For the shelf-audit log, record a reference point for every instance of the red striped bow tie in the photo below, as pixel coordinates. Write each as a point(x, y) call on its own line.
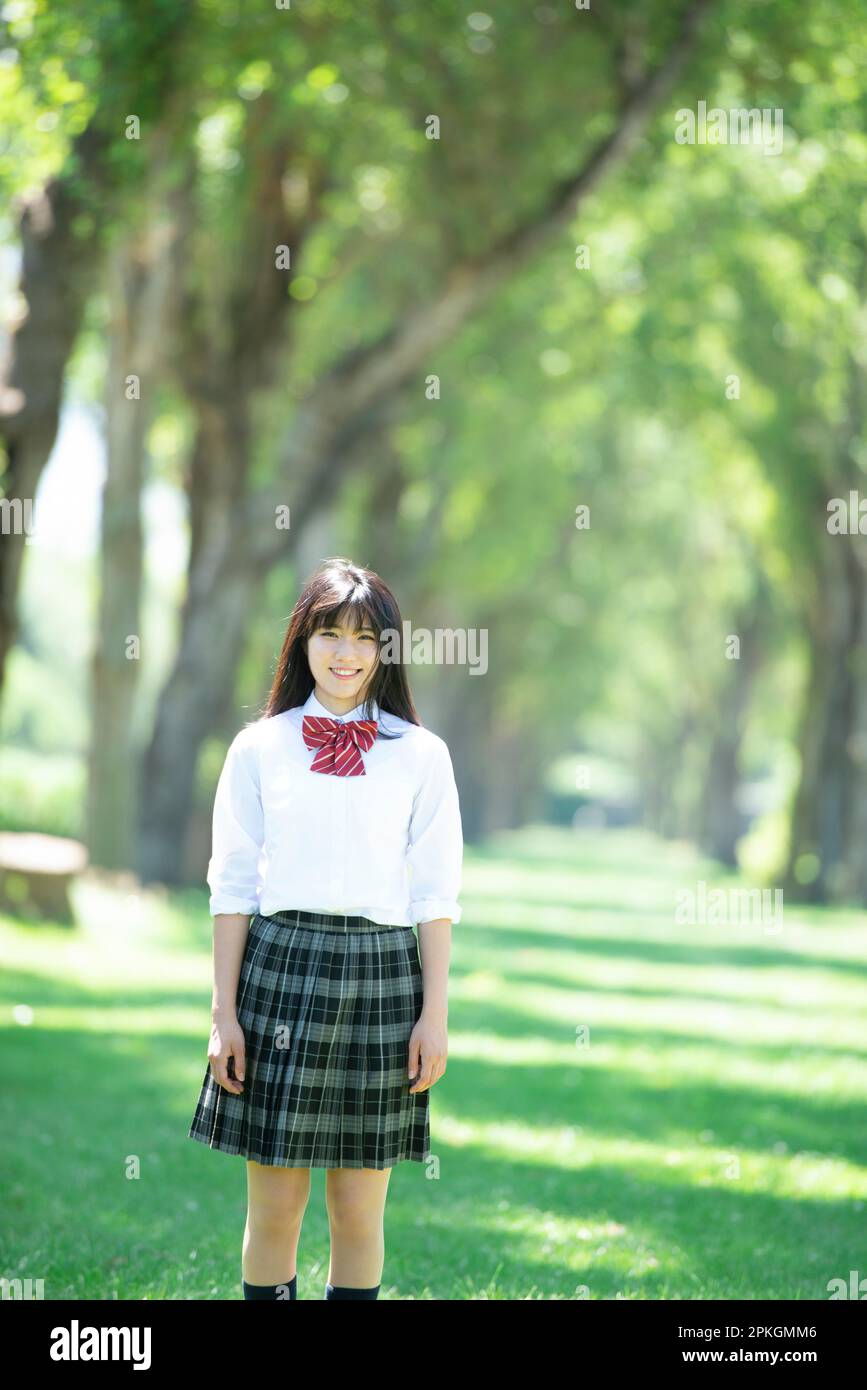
point(339, 743)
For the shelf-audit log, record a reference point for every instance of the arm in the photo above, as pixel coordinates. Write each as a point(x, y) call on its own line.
point(435, 849)
point(435, 941)
point(233, 877)
point(428, 1044)
point(435, 858)
point(230, 939)
point(227, 1037)
point(238, 832)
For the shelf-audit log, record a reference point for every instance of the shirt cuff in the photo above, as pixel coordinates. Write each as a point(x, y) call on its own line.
point(429, 909)
point(221, 902)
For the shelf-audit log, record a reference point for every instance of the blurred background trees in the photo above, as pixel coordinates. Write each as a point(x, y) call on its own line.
point(430, 281)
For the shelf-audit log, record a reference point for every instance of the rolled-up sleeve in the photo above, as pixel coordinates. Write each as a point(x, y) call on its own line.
point(238, 831)
point(435, 850)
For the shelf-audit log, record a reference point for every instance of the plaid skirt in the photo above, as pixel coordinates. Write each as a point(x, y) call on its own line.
point(326, 1005)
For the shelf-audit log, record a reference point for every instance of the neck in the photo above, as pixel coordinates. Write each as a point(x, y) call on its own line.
point(335, 703)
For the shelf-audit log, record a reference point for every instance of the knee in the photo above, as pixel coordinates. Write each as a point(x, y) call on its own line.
point(277, 1212)
point(353, 1217)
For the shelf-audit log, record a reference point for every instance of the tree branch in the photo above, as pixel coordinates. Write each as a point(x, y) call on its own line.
point(366, 372)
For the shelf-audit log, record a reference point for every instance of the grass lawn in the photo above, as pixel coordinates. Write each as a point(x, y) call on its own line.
point(633, 1108)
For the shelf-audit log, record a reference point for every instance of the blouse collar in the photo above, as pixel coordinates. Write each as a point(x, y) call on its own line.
point(314, 706)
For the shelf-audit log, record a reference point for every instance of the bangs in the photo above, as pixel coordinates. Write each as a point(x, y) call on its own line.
point(354, 613)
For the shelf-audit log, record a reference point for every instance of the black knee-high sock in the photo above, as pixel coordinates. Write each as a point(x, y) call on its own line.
point(338, 1291)
point(271, 1291)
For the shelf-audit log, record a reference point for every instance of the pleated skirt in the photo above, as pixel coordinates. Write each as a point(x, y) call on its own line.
point(327, 1005)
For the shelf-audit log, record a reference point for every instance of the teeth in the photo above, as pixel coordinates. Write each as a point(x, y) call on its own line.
point(343, 671)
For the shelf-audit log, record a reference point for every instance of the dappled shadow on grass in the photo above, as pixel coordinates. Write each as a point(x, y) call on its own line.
point(496, 947)
point(612, 1103)
point(709, 1242)
point(102, 1102)
point(498, 943)
point(38, 991)
point(498, 1022)
point(544, 1094)
point(78, 1102)
point(687, 997)
point(572, 909)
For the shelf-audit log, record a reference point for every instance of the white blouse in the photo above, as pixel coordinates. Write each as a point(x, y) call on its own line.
point(387, 845)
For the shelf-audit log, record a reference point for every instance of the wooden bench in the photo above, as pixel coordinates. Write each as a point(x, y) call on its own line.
point(36, 872)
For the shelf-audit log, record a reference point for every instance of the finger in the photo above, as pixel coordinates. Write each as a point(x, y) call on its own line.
point(225, 1079)
point(424, 1080)
point(434, 1069)
point(239, 1061)
point(413, 1059)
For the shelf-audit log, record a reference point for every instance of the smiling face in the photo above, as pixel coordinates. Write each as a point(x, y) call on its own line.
point(342, 661)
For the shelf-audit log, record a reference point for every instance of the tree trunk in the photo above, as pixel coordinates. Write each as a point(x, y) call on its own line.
point(663, 781)
point(718, 816)
point(139, 284)
point(514, 770)
point(61, 230)
point(826, 858)
point(462, 719)
point(56, 276)
point(221, 593)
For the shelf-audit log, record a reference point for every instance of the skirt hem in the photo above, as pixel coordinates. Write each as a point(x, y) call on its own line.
point(310, 1163)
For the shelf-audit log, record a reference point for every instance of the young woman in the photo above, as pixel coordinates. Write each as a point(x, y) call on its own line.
point(336, 828)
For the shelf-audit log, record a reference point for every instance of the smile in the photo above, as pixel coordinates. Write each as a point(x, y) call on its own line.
point(343, 672)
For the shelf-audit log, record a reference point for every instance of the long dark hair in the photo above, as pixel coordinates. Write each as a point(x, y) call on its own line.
point(339, 589)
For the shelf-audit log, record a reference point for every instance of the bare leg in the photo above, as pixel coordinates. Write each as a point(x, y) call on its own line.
point(355, 1198)
point(276, 1202)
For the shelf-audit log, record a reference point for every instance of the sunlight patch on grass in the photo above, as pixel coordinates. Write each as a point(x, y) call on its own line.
point(671, 1164)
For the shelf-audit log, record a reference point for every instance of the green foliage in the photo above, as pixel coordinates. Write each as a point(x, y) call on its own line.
point(42, 792)
point(604, 386)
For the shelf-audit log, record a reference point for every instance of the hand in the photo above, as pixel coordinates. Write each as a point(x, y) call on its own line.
point(428, 1049)
point(227, 1042)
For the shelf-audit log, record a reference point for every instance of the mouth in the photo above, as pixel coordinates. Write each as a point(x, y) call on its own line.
point(344, 673)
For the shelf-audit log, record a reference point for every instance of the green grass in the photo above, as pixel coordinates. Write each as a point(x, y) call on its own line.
point(708, 1142)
